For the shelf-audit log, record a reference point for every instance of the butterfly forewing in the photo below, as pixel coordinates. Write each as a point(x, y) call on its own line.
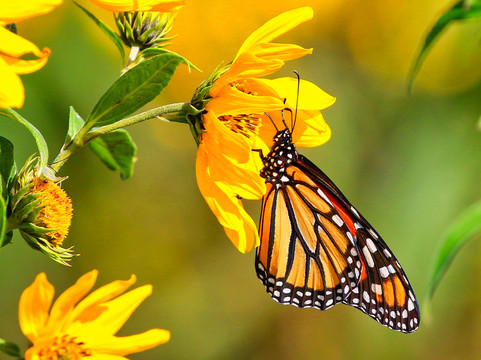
point(317, 250)
point(307, 257)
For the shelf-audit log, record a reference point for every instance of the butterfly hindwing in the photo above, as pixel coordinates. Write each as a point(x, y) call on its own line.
point(384, 292)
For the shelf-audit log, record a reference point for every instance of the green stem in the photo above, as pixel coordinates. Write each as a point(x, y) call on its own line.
point(85, 134)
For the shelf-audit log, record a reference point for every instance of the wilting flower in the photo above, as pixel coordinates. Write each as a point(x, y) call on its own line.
point(13, 47)
point(139, 5)
point(41, 211)
point(233, 122)
point(75, 328)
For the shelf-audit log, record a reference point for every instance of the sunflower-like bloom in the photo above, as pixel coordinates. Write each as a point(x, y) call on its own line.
point(13, 47)
point(233, 123)
point(139, 5)
point(75, 328)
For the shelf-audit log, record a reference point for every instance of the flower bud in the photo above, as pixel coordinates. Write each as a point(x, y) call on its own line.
point(41, 211)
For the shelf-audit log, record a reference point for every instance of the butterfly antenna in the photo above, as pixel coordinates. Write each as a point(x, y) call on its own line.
point(297, 98)
point(283, 118)
point(272, 121)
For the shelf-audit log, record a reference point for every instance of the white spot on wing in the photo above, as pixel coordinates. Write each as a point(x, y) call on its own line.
point(371, 245)
point(376, 288)
point(366, 297)
point(410, 305)
point(368, 257)
point(384, 272)
point(337, 219)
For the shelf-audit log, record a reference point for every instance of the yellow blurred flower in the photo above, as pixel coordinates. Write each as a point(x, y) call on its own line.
point(139, 5)
point(76, 328)
point(234, 123)
point(13, 47)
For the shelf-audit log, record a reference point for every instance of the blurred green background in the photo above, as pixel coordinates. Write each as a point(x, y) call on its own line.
point(410, 163)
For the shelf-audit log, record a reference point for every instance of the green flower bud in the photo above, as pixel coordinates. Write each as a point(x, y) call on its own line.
point(41, 211)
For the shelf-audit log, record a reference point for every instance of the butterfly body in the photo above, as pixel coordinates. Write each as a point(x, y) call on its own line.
point(316, 250)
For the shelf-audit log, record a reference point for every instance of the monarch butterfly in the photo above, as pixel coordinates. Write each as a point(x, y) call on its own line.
point(317, 250)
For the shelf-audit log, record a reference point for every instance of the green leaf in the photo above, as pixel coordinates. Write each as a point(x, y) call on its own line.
point(461, 10)
point(7, 165)
point(75, 123)
point(107, 31)
point(134, 89)
point(3, 220)
point(149, 52)
point(41, 143)
point(464, 228)
point(9, 348)
point(117, 151)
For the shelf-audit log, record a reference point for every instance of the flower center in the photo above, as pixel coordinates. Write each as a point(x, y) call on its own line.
point(56, 210)
point(242, 86)
point(244, 124)
point(65, 348)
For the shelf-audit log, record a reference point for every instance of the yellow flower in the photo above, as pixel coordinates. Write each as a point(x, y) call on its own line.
point(139, 5)
point(233, 123)
point(76, 328)
point(13, 47)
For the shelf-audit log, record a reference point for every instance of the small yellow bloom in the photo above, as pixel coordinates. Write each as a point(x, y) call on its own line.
point(140, 5)
point(234, 122)
point(13, 47)
point(75, 328)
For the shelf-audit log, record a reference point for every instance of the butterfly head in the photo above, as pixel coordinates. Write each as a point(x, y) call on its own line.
point(283, 153)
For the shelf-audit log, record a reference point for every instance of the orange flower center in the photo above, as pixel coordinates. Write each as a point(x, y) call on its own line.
point(245, 124)
point(242, 86)
point(65, 348)
point(56, 210)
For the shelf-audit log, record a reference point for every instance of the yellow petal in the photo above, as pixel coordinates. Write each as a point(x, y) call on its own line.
point(229, 100)
point(33, 307)
point(276, 27)
point(134, 343)
point(139, 5)
point(11, 88)
point(15, 11)
point(107, 318)
point(311, 130)
point(228, 209)
point(99, 296)
point(311, 97)
point(12, 47)
point(245, 237)
point(220, 203)
point(243, 179)
point(65, 303)
point(218, 138)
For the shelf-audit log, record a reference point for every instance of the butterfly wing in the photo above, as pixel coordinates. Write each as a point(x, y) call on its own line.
point(307, 256)
point(384, 292)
